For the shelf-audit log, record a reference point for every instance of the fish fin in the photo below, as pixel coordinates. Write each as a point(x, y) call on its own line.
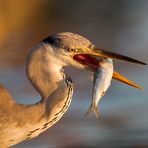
point(93, 108)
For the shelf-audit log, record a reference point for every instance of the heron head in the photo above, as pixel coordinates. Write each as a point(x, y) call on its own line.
point(73, 49)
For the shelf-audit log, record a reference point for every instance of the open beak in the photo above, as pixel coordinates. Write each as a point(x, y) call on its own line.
point(90, 59)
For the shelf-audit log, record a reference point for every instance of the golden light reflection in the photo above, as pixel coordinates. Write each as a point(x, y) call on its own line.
point(114, 24)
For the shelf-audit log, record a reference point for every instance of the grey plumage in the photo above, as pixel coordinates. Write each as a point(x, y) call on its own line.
point(20, 122)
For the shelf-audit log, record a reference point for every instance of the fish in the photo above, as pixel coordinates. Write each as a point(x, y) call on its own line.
point(101, 82)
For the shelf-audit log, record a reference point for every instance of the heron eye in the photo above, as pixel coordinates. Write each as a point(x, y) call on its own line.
point(73, 50)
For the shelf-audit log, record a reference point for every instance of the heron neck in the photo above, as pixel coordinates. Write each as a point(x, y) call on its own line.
point(43, 73)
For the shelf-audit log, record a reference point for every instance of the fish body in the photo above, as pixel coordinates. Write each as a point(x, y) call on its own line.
point(101, 82)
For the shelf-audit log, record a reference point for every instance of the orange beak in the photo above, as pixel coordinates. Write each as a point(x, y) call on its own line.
point(90, 59)
point(121, 78)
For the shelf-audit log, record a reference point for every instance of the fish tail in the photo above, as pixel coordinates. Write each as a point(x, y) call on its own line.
point(93, 108)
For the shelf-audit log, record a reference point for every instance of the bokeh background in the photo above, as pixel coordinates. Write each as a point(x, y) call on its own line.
point(117, 25)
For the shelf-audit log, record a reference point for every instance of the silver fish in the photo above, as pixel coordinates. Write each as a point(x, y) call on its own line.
point(101, 82)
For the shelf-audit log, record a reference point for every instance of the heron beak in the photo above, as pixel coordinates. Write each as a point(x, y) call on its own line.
point(108, 54)
point(90, 59)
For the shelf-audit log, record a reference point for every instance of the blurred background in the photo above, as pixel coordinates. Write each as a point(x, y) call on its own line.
point(117, 25)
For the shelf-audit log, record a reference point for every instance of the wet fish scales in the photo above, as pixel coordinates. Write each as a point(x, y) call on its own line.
point(101, 82)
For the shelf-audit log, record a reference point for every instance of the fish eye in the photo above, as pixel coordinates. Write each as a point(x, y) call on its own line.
point(73, 50)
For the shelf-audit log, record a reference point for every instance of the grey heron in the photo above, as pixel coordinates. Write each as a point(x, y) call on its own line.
point(45, 62)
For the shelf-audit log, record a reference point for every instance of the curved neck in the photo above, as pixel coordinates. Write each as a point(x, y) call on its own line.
point(55, 87)
point(43, 72)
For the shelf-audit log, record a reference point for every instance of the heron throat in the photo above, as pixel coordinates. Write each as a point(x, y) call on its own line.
point(43, 72)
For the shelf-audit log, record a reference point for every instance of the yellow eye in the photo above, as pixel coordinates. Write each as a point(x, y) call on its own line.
point(73, 50)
